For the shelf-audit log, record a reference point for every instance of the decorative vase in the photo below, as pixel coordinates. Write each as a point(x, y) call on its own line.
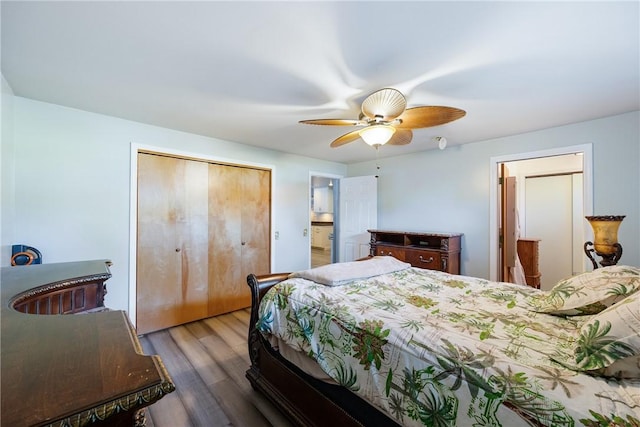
point(605, 236)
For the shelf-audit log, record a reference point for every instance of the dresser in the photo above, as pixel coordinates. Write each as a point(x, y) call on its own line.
point(73, 369)
point(433, 251)
point(528, 254)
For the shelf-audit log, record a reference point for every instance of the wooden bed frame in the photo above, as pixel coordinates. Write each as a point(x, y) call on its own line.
point(305, 400)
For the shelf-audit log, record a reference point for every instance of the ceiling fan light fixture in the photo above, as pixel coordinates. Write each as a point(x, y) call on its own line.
point(385, 119)
point(386, 103)
point(377, 134)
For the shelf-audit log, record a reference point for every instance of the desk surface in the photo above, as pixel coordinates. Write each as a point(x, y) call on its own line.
point(70, 367)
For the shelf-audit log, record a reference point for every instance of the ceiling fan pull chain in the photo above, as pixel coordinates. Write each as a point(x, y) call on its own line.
point(377, 162)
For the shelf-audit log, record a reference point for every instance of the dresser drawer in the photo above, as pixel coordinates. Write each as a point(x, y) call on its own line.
point(423, 259)
point(394, 251)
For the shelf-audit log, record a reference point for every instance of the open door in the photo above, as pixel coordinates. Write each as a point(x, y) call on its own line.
point(358, 212)
point(508, 234)
point(323, 219)
point(577, 160)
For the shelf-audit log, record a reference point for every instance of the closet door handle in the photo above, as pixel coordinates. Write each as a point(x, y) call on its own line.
point(177, 249)
point(243, 243)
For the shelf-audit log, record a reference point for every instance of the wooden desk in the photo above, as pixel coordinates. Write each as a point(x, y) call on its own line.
point(75, 370)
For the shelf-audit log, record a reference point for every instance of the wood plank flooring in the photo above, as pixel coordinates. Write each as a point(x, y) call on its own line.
point(207, 361)
point(320, 257)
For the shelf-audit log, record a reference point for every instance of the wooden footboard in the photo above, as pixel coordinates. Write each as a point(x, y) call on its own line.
point(304, 399)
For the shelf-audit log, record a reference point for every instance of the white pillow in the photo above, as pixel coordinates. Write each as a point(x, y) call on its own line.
point(588, 293)
point(609, 343)
point(344, 272)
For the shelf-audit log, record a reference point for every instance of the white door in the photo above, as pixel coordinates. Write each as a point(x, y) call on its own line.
point(358, 213)
point(550, 218)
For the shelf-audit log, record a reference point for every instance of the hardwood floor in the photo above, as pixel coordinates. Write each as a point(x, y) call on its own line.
point(207, 361)
point(320, 257)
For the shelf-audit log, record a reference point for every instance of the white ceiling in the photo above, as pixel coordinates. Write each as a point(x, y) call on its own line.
point(249, 71)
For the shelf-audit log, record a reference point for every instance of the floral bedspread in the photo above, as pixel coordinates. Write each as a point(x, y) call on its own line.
point(434, 349)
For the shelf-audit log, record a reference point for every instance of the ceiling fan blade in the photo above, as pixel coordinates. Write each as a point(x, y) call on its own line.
point(424, 117)
point(333, 122)
point(346, 138)
point(386, 104)
point(401, 137)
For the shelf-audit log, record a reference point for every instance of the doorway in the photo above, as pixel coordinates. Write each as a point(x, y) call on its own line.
point(323, 198)
point(549, 210)
point(577, 181)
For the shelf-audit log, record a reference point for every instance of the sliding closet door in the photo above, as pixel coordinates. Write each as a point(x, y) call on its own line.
point(202, 228)
point(239, 233)
point(224, 239)
point(172, 249)
point(256, 223)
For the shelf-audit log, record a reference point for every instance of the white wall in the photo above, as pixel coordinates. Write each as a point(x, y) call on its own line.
point(72, 186)
point(68, 194)
point(450, 188)
point(6, 173)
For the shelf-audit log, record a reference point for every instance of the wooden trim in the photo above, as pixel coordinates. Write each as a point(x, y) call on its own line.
point(203, 159)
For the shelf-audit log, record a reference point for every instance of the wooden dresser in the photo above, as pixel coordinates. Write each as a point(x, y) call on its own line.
point(77, 369)
point(528, 254)
point(433, 251)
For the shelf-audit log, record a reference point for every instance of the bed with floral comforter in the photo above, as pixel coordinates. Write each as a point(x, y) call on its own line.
point(433, 349)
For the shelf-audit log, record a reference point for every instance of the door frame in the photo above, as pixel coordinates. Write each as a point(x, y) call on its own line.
point(336, 216)
point(587, 170)
point(133, 206)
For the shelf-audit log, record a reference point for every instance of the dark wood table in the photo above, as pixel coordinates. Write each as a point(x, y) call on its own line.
point(76, 369)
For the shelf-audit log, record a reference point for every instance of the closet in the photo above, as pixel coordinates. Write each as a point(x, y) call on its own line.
point(202, 228)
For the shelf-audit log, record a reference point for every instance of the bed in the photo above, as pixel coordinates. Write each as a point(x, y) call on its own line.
point(379, 342)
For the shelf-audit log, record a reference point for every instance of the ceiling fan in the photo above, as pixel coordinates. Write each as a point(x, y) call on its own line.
point(385, 118)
